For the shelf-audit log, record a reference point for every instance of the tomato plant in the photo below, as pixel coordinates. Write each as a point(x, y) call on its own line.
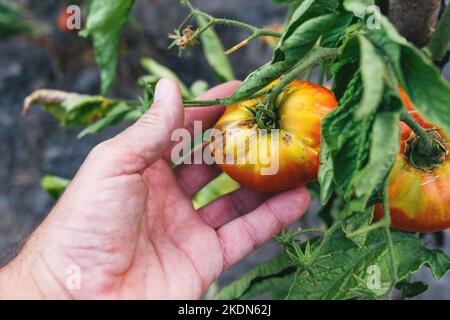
point(297, 113)
point(372, 159)
point(419, 195)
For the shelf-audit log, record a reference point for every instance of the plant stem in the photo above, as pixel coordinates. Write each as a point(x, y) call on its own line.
point(367, 229)
point(313, 58)
point(387, 231)
point(222, 101)
point(242, 43)
point(418, 130)
point(325, 240)
point(248, 27)
point(440, 40)
point(212, 21)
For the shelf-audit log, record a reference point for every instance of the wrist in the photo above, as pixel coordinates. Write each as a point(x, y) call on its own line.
point(29, 277)
point(16, 283)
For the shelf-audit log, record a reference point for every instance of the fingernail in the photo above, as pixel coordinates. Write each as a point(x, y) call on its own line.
point(162, 89)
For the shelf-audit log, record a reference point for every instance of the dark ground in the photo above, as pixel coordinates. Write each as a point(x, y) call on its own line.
point(36, 145)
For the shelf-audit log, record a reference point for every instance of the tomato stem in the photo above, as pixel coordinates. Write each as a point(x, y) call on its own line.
point(418, 130)
point(314, 57)
point(428, 149)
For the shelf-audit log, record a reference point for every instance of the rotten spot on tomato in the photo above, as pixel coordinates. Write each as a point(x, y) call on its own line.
point(287, 139)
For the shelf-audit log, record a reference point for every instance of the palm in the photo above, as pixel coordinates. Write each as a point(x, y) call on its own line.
point(179, 254)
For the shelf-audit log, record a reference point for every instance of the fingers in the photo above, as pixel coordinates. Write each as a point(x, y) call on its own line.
point(248, 232)
point(232, 206)
point(192, 178)
point(149, 138)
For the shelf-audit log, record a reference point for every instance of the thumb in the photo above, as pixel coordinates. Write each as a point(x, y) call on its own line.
point(145, 141)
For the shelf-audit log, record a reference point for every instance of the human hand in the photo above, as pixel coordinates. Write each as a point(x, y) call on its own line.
point(128, 223)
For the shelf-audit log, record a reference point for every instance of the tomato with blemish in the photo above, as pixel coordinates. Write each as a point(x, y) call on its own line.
point(419, 200)
point(280, 158)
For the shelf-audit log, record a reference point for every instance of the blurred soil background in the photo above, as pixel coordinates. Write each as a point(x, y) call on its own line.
point(36, 145)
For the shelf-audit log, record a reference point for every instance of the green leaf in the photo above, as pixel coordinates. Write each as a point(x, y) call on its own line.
point(357, 221)
point(428, 90)
point(215, 189)
point(215, 53)
point(345, 67)
point(346, 139)
point(372, 73)
point(358, 7)
point(308, 22)
point(361, 151)
point(325, 174)
point(384, 147)
point(259, 78)
point(333, 37)
point(275, 273)
point(104, 24)
point(156, 69)
point(15, 20)
point(120, 112)
point(307, 10)
point(70, 109)
point(346, 271)
point(54, 186)
point(422, 81)
point(412, 289)
point(305, 36)
point(199, 87)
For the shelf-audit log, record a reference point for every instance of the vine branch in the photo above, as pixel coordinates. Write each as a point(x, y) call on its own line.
point(315, 57)
point(428, 150)
point(416, 128)
point(213, 21)
point(441, 38)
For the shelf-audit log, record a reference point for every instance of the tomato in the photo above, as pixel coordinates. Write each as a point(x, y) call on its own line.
point(62, 21)
point(275, 160)
point(419, 199)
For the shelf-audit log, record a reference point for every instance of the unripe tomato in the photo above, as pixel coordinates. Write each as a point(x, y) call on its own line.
point(275, 160)
point(419, 200)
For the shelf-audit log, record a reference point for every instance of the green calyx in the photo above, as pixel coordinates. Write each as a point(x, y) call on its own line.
point(427, 154)
point(266, 118)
